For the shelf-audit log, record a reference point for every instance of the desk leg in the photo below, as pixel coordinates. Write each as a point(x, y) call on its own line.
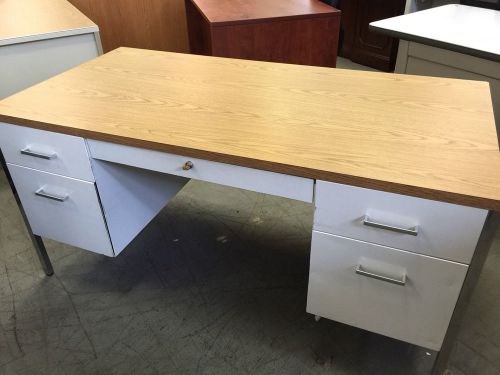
point(36, 240)
point(480, 254)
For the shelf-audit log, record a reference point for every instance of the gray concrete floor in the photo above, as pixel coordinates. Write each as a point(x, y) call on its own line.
point(216, 284)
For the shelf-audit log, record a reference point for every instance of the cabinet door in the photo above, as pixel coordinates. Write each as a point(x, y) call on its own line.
point(362, 45)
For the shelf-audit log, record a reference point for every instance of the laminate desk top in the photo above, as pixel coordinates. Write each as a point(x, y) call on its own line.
point(421, 136)
point(225, 12)
point(460, 28)
point(29, 20)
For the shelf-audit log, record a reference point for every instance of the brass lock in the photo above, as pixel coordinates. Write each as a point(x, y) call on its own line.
point(187, 166)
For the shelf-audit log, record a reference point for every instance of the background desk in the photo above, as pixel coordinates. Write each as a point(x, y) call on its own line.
point(41, 38)
point(288, 31)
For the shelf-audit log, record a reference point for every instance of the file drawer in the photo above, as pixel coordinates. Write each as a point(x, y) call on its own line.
point(61, 154)
point(63, 209)
point(423, 226)
point(220, 173)
point(395, 293)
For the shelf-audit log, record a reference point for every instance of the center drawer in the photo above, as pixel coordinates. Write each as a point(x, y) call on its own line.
point(395, 293)
point(423, 226)
point(63, 209)
point(220, 173)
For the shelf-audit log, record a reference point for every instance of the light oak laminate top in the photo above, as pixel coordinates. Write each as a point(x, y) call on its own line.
point(460, 28)
point(421, 136)
point(29, 20)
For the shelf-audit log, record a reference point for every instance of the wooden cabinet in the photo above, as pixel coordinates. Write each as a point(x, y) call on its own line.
point(151, 24)
point(362, 45)
point(298, 31)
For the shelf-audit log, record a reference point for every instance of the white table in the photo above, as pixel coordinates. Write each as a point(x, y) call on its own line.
point(454, 41)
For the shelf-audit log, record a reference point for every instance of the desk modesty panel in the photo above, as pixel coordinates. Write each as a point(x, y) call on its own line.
point(426, 137)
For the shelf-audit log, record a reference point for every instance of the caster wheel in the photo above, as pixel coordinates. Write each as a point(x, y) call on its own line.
point(317, 318)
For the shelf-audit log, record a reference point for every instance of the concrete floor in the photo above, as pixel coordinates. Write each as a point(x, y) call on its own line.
point(216, 284)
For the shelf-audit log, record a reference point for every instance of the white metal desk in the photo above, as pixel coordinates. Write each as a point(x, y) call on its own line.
point(403, 218)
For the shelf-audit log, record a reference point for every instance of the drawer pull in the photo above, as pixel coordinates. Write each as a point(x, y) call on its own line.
point(41, 193)
point(187, 166)
point(411, 231)
point(37, 154)
point(361, 271)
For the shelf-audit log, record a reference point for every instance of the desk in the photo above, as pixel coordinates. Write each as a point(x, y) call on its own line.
point(288, 31)
point(41, 38)
point(454, 41)
point(404, 205)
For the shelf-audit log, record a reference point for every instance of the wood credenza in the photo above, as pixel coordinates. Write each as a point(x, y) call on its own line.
point(289, 31)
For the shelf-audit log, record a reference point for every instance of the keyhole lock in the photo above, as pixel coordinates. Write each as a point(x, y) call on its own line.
point(187, 166)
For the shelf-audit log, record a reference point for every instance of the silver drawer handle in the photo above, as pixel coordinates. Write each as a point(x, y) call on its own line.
point(38, 154)
point(361, 271)
point(411, 231)
point(41, 193)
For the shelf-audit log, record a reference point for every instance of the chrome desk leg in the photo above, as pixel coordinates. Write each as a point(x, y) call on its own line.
point(36, 240)
point(480, 254)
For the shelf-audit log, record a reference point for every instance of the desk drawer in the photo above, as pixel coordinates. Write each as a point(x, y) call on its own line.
point(46, 151)
point(225, 174)
point(417, 312)
point(444, 230)
point(63, 209)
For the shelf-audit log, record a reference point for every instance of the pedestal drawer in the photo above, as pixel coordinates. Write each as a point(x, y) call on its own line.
point(57, 153)
point(423, 226)
point(392, 292)
point(63, 209)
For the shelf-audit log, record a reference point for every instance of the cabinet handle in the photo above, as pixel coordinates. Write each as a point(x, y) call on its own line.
point(41, 193)
point(187, 166)
point(361, 271)
point(37, 154)
point(370, 223)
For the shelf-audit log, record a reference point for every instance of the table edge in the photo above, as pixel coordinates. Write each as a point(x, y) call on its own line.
point(49, 35)
point(436, 43)
point(305, 172)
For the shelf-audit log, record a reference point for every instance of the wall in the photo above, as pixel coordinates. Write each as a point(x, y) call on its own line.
point(416, 5)
point(151, 24)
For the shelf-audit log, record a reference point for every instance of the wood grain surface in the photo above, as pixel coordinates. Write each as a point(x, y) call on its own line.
point(22, 18)
point(151, 24)
point(421, 136)
point(225, 12)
